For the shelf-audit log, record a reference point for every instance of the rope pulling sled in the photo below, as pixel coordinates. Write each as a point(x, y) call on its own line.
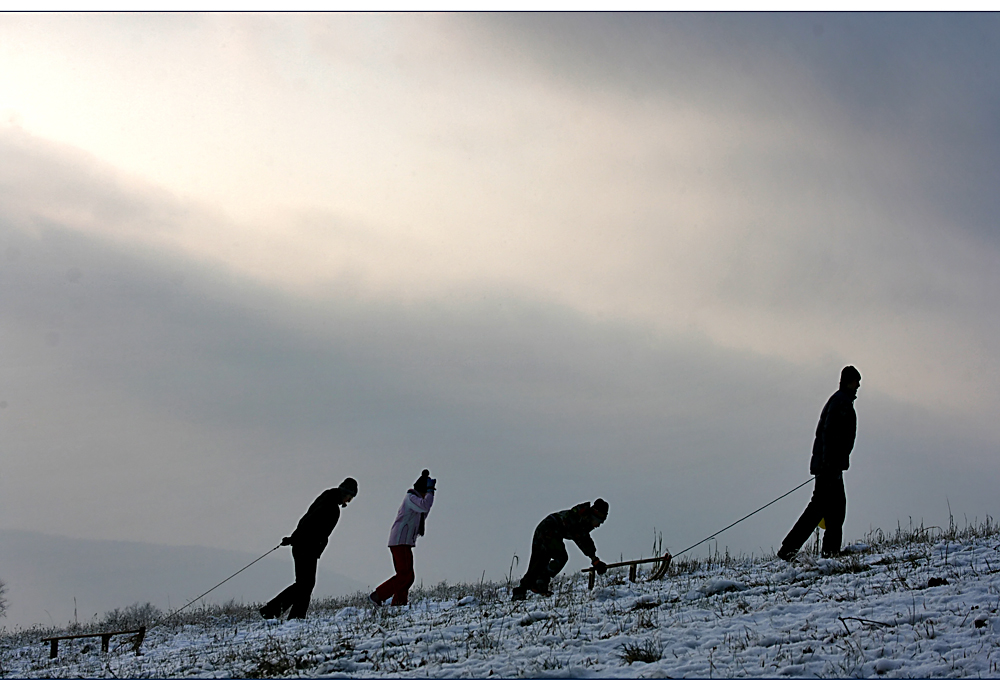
point(663, 561)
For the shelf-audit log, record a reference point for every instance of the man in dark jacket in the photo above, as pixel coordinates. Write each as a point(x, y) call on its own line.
point(548, 553)
point(308, 542)
point(838, 425)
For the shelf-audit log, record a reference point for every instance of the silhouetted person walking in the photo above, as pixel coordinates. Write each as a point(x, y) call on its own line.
point(409, 524)
point(308, 542)
point(838, 425)
point(548, 553)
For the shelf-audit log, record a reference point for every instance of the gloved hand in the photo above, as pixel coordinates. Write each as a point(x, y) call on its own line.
point(285, 541)
point(431, 484)
point(599, 566)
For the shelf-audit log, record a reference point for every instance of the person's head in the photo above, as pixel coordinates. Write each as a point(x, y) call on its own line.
point(349, 489)
point(420, 486)
point(850, 378)
point(599, 511)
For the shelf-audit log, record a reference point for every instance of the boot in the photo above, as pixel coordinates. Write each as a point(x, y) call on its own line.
point(269, 612)
point(787, 554)
point(540, 587)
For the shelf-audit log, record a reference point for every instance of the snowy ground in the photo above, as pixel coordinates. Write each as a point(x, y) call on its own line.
point(869, 614)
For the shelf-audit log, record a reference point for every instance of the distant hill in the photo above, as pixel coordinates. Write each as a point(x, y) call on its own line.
point(44, 573)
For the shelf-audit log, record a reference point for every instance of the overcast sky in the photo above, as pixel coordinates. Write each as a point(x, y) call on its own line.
point(549, 257)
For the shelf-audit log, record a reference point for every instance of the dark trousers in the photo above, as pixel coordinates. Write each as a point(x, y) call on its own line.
point(548, 557)
point(296, 596)
point(398, 587)
point(829, 502)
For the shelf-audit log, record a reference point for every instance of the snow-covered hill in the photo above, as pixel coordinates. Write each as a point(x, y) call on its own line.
point(913, 605)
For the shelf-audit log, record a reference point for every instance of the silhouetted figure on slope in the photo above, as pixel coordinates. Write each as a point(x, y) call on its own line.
point(308, 542)
point(838, 425)
point(409, 524)
point(548, 553)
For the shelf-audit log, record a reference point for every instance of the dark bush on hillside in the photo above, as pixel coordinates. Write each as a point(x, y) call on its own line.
point(131, 617)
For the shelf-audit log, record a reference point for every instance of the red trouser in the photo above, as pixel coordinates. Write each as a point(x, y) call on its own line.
point(398, 586)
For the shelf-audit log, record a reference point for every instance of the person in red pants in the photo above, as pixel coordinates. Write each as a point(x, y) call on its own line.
point(409, 524)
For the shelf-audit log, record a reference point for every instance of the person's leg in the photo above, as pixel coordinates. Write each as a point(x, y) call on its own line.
point(386, 589)
point(835, 512)
point(807, 522)
point(396, 587)
point(305, 581)
point(537, 564)
point(402, 560)
point(558, 556)
point(277, 605)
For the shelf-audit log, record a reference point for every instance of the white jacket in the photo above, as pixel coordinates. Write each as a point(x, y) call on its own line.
point(404, 529)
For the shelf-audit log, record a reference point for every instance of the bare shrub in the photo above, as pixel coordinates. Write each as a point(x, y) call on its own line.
point(131, 617)
point(647, 651)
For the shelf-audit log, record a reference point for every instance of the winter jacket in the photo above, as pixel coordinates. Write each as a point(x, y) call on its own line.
point(572, 524)
point(410, 518)
point(838, 426)
point(313, 531)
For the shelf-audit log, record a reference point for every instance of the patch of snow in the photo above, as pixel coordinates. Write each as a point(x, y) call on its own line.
point(787, 576)
point(532, 617)
point(721, 585)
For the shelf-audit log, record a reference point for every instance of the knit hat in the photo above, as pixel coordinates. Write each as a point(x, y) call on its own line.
point(421, 484)
point(350, 485)
point(600, 509)
point(849, 374)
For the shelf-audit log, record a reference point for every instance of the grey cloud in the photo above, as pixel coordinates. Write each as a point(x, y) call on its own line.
point(925, 85)
point(892, 212)
point(881, 63)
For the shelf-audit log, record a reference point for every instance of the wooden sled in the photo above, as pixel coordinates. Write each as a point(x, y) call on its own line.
point(662, 565)
point(105, 637)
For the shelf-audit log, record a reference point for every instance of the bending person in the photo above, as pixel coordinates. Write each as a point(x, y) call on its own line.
point(548, 553)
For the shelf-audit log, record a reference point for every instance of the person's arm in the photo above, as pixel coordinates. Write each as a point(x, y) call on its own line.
point(421, 504)
point(586, 545)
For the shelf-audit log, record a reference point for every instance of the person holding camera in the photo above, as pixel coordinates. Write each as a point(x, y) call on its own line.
point(409, 524)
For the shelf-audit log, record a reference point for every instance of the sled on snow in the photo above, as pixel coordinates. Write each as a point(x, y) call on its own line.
point(658, 572)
